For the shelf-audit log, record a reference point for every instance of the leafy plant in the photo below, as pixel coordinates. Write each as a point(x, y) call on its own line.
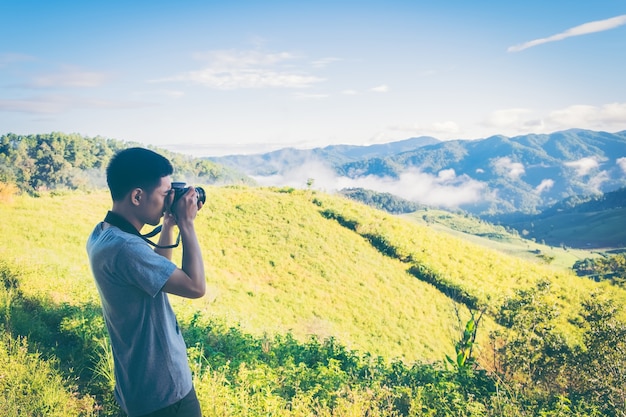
point(465, 345)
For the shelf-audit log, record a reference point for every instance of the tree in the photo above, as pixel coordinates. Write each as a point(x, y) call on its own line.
point(599, 369)
point(534, 354)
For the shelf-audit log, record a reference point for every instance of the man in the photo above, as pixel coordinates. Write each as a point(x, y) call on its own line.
point(152, 374)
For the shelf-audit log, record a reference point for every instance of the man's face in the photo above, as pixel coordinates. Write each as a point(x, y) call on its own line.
point(157, 201)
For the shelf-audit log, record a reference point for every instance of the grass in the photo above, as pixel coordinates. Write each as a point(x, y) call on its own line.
point(275, 264)
point(594, 230)
point(33, 386)
point(277, 261)
point(498, 238)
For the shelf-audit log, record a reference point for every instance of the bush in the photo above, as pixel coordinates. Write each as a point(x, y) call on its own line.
point(31, 386)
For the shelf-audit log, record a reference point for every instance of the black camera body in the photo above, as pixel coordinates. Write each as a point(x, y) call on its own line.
point(181, 188)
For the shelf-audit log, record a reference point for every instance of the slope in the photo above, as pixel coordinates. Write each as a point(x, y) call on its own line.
point(282, 260)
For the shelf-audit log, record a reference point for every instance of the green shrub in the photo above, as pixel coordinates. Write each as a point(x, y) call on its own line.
point(32, 386)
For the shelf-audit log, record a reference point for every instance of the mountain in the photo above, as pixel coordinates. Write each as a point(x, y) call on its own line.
point(282, 160)
point(590, 222)
point(496, 175)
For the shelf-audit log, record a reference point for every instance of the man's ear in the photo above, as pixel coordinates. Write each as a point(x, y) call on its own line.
point(136, 196)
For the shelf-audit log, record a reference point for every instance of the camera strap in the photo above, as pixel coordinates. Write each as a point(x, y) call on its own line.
point(121, 223)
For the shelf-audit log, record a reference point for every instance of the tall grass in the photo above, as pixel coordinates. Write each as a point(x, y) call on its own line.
point(32, 386)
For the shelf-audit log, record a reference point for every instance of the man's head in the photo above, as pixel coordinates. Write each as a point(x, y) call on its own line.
point(136, 168)
point(140, 184)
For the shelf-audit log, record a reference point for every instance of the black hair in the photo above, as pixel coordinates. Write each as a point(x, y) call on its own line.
point(136, 168)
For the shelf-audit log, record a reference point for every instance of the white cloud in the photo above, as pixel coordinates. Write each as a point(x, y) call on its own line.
point(445, 189)
point(596, 181)
point(621, 162)
point(509, 168)
point(583, 166)
point(608, 117)
point(173, 94)
point(69, 77)
point(324, 177)
point(248, 78)
point(230, 69)
point(305, 96)
point(584, 29)
point(381, 89)
point(444, 127)
point(506, 117)
point(514, 120)
point(232, 59)
point(446, 175)
point(544, 186)
point(324, 62)
point(54, 104)
point(589, 116)
point(349, 92)
point(441, 130)
point(12, 58)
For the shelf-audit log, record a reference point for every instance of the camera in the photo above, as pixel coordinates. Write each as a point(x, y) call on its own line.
point(181, 189)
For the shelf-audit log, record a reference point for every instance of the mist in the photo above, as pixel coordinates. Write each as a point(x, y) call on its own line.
point(446, 189)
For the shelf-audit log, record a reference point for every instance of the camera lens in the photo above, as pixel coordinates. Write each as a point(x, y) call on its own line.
point(201, 195)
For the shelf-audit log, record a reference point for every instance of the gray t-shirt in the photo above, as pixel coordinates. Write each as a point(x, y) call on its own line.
point(150, 356)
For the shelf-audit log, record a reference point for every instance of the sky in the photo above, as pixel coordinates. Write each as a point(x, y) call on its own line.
point(211, 78)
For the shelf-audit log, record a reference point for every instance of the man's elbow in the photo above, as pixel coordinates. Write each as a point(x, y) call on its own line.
point(197, 292)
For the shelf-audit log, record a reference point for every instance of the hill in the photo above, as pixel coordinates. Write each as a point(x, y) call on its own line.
point(70, 161)
point(590, 222)
point(584, 162)
point(317, 305)
point(503, 239)
point(581, 222)
point(281, 261)
point(286, 260)
point(489, 176)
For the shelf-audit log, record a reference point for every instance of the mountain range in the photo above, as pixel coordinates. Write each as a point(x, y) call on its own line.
point(491, 176)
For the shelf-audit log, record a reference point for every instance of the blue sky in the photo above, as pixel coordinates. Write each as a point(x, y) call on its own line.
point(212, 78)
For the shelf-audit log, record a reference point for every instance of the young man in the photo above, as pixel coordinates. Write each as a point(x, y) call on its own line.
point(152, 374)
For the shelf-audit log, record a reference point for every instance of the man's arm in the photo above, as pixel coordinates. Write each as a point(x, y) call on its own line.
point(166, 238)
point(189, 280)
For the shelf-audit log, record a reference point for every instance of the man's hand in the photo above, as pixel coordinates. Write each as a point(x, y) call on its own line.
point(189, 280)
point(167, 230)
point(187, 206)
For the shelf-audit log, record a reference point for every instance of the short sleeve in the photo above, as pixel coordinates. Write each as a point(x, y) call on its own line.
point(142, 267)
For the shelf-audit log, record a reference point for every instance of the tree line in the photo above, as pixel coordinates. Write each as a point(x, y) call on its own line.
point(41, 162)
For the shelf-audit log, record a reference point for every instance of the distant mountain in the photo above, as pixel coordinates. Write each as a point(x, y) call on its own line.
point(588, 204)
point(282, 160)
point(496, 175)
point(589, 222)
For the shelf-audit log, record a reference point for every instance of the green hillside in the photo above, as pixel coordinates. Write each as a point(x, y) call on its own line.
point(284, 261)
point(276, 263)
point(60, 161)
point(273, 264)
point(499, 238)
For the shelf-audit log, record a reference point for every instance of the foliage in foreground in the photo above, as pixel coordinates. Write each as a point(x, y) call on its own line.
point(238, 374)
point(33, 386)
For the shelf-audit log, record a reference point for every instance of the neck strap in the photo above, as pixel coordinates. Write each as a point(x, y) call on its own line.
point(121, 223)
